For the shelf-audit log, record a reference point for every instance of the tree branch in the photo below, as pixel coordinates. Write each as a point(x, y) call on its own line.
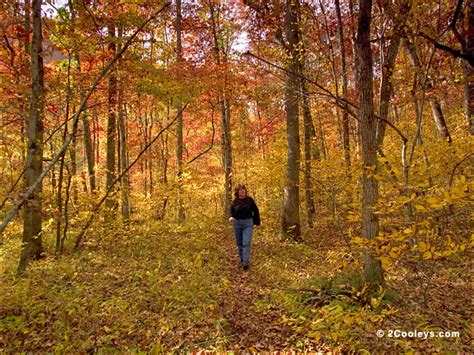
point(454, 52)
point(339, 100)
point(212, 141)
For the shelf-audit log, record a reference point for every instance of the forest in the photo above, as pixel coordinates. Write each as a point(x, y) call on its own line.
point(129, 127)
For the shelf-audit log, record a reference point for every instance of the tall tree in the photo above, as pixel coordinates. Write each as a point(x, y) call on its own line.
point(386, 87)
point(179, 148)
point(111, 122)
point(308, 138)
point(370, 189)
point(291, 227)
point(224, 102)
point(345, 113)
point(123, 152)
point(32, 220)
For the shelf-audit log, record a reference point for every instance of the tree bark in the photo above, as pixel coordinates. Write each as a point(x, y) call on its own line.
point(345, 114)
point(370, 224)
point(32, 247)
point(308, 138)
point(290, 227)
point(89, 150)
point(386, 87)
point(224, 101)
point(179, 148)
point(123, 153)
point(111, 126)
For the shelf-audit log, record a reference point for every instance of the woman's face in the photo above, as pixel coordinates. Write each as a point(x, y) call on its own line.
point(242, 193)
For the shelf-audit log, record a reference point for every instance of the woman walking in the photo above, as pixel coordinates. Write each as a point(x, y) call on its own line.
point(244, 215)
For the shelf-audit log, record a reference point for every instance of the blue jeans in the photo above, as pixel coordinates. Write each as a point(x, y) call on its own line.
point(243, 229)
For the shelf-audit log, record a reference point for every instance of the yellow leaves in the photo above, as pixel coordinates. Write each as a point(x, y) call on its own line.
point(420, 208)
point(107, 329)
point(347, 319)
point(394, 254)
point(358, 240)
point(316, 336)
point(385, 260)
point(422, 247)
point(351, 217)
point(427, 255)
point(374, 302)
point(198, 262)
point(434, 202)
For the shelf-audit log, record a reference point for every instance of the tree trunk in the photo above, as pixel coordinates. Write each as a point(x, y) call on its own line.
point(89, 150)
point(179, 148)
point(386, 87)
point(355, 67)
point(469, 69)
point(308, 138)
point(111, 126)
point(225, 118)
point(59, 195)
point(32, 220)
point(290, 227)
point(122, 132)
point(345, 114)
point(370, 223)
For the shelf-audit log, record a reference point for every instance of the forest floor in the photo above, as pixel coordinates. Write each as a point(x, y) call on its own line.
point(156, 287)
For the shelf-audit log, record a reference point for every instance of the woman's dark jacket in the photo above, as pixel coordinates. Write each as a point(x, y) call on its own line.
point(245, 208)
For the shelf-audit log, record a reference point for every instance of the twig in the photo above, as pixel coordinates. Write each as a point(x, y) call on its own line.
point(212, 141)
point(457, 166)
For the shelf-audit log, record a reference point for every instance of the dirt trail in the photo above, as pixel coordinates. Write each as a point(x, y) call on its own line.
point(246, 326)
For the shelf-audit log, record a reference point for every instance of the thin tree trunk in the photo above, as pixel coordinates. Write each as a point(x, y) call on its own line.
point(59, 195)
point(96, 139)
point(89, 148)
point(66, 215)
point(386, 87)
point(370, 223)
point(291, 227)
point(225, 118)
point(150, 160)
point(355, 66)
point(308, 138)
point(179, 148)
point(32, 247)
point(345, 114)
point(73, 171)
point(110, 203)
point(124, 181)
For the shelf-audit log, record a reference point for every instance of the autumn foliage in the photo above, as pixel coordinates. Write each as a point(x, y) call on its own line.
point(122, 269)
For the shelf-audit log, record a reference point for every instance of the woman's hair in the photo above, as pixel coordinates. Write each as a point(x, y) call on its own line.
point(236, 191)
